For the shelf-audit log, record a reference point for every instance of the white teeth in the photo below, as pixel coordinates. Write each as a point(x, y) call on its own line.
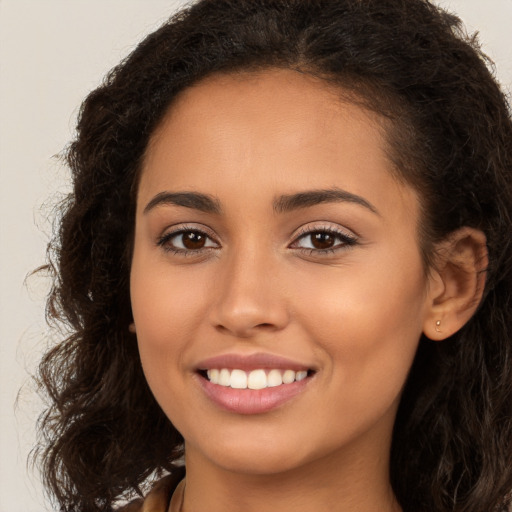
point(238, 379)
point(213, 375)
point(301, 375)
point(288, 376)
point(225, 377)
point(274, 378)
point(256, 379)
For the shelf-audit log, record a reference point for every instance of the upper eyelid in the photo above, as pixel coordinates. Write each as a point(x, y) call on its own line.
point(325, 226)
point(184, 227)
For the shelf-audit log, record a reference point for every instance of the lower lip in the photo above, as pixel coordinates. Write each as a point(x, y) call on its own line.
point(252, 401)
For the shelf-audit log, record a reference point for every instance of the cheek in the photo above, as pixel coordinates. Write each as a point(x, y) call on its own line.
point(166, 305)
point(368, 321)
point(167, 308)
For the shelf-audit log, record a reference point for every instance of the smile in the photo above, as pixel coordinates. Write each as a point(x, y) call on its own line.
point(255, 379)
point(252, 384)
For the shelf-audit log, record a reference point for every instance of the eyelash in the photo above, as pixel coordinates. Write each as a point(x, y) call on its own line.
point(164, 241)
point(347, 240)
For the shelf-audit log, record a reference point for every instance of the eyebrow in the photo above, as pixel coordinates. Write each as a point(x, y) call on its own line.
point(283, 204)
point(291, 202)
point(195, 200)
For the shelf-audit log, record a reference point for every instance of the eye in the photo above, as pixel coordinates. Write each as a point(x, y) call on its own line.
point(323, 240)
point(186, 240)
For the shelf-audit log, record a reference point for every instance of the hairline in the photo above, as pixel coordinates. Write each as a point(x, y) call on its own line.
point(386, 109)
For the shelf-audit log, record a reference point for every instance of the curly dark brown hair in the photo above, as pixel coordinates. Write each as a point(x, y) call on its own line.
point(450, 136)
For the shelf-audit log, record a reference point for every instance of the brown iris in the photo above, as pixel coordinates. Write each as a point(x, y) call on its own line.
point(322, 240)
point(193, 240)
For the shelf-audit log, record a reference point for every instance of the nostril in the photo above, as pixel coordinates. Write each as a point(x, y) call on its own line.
point(245, 331)
point(245, 314)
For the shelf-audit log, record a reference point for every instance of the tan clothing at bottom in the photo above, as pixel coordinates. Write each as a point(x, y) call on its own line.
point(165, 496)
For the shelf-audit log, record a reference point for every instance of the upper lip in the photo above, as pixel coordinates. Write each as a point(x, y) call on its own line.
point(251, 362)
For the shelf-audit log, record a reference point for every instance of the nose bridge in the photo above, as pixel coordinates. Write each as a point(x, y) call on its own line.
point(248, 297)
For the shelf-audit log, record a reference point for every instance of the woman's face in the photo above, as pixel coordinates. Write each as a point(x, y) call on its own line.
point(272, 244)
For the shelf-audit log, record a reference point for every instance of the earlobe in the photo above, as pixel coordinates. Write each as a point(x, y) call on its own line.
point(457, 283)
point(131, 328)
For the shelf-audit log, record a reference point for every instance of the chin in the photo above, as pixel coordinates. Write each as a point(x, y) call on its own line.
point(253, 458)
point(258, 465)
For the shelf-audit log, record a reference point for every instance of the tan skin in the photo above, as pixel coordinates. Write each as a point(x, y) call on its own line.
point(337, 285)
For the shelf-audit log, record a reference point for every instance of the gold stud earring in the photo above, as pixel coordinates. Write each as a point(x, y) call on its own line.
point(438, 324)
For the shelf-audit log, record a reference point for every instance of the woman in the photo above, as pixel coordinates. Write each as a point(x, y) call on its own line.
point(286, 263)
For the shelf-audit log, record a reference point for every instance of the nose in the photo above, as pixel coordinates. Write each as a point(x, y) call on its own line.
point(250, 296)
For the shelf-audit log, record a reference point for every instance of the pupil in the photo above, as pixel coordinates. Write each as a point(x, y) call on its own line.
point(193, 240)
point(322, 240)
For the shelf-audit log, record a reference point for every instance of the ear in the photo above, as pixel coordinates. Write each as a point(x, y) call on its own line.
point(131, 328)
point(457, 282)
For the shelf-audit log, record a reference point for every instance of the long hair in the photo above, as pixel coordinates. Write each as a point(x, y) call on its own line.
point(449, 134)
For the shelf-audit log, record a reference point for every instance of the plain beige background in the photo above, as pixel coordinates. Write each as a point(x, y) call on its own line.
point(52, 53)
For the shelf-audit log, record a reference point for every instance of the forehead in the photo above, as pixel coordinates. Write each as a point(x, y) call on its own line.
point(271, 99)
point(276, 129)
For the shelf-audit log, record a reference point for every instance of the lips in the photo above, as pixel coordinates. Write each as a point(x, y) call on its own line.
point(252, 384)
point(252, 362)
